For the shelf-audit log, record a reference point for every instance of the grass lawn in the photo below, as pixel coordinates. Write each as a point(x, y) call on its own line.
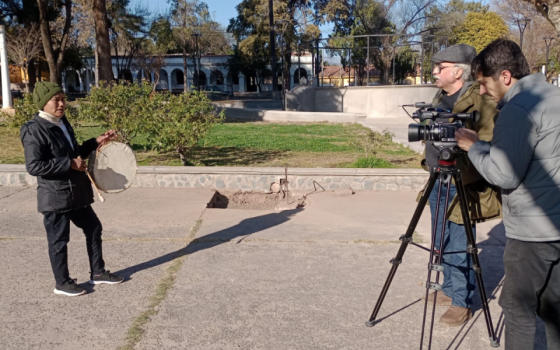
point(302, 145)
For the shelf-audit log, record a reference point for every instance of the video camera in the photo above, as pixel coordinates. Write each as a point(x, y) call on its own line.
point(438, 131)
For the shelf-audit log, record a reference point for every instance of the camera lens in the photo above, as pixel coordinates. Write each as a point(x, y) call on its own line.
point(417, 132)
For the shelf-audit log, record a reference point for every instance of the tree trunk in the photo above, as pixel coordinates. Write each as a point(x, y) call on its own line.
point(31, 75)
point(47, 42)
point(102, 44)
point(55, 61)
point(26, 74)
point(183, 155)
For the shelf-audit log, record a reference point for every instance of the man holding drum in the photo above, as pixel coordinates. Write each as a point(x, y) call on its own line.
point(64, 192)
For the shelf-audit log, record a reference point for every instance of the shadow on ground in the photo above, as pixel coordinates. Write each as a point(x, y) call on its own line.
point(242, 230)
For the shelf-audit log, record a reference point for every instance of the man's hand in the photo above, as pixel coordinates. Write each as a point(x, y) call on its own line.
point(107, 136)
point(78, 164)
point(466, 138)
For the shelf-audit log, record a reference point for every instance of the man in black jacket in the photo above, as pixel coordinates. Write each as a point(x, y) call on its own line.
point(64, 192)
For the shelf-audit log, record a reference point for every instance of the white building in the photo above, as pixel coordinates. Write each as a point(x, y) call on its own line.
point(213, 71)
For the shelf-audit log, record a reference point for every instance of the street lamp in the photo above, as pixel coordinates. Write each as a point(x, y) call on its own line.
point(197, 82)
point(282, 23)
point(548, 42)
point(522, 24)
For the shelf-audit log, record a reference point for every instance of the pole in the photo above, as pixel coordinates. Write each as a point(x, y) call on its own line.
point(272, 48)
point(432, 62)
point(367, 61)
point(394, 66)
point(317, 73)
point(6, 92)
point(322, 68)
point(313, 63)
point(283, 72)
point(422, 61)
point(299, 63)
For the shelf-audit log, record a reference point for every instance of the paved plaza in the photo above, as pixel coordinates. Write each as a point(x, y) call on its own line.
point(200, 278)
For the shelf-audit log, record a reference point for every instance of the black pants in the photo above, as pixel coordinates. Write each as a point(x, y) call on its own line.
point(531, 287)
point(58, 235)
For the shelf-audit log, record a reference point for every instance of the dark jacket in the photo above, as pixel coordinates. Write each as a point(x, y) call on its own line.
point(48, 156)
point(523, 159)
point(484, 200)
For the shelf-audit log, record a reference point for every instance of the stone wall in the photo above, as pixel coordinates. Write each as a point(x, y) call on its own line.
point(255, 178)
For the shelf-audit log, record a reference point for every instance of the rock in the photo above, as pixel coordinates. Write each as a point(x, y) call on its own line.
point(275, 187)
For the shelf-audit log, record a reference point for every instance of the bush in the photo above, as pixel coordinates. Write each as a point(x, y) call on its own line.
point(25, 110)
point(371, 141)
point(125, 108)
point(371, 162)
point(182, 123)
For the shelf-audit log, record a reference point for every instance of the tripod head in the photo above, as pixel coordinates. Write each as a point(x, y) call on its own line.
point(448, 153)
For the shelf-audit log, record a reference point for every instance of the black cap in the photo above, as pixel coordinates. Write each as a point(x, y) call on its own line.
point(461, 53)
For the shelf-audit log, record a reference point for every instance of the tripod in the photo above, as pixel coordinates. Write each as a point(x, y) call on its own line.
point(446, 171)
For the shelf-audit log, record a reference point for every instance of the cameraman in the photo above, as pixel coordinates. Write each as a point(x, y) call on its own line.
point(459, 94)
point(523, 159)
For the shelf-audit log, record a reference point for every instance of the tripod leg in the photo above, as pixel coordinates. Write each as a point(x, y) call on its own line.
point(437, 264)
point(406, 239)
point(473, 250)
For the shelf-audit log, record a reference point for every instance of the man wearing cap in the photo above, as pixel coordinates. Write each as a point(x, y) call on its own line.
point(459, 94)
point(64, 192)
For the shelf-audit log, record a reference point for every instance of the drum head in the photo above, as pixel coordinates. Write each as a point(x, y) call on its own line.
point(113, 167)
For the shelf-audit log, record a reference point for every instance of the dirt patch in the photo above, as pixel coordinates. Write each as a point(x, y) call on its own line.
point(256, 201)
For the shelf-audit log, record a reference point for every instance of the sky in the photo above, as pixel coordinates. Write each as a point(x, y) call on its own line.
point(222, 10)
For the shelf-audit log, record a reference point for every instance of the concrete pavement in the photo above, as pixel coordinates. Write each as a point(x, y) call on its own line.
point(201, 278)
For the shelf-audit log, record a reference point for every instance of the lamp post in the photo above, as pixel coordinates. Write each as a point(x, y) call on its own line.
point(197, 82)
point(548, 42)
point(522, 24)
point(282, 23)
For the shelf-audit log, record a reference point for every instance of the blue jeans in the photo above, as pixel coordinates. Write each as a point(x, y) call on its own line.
point(459, 277)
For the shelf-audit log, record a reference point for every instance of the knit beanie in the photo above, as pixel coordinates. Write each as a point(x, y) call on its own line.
point(43, 92)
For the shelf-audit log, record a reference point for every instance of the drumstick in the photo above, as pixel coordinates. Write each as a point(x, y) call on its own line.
point(95, 186)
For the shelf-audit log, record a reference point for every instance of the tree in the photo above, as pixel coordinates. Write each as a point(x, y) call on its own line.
point(54, 49)
point(190, 17)
point(398, 17)
point(444, 20)
point(534, 47)
point(24, 44)
point(151, 57)
point(480, 29)
point(181, 122)
point(550, 9)
point(128, 31)
point(102, 43)
point(251, 29)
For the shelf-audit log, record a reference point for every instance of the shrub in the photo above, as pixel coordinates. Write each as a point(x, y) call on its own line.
point(25, 110)
point(125, 108)
point(182, 123)
point(371, 141)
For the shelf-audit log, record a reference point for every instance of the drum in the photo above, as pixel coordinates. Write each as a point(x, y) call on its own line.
point(113, 167)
